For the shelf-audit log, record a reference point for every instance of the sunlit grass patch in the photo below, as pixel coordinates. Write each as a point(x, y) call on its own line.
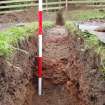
point(15, 34)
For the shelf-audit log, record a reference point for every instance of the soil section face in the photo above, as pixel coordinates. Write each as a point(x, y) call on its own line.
point(71, 72)
point(55, 58)
point(16, 75)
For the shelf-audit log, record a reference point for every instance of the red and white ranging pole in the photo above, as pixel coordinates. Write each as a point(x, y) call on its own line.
point(40, 48)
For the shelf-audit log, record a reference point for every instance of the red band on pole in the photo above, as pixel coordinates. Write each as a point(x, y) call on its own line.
point(40, 21)
point(39, 67)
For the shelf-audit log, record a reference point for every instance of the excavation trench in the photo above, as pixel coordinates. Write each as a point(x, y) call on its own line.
point(71, 73)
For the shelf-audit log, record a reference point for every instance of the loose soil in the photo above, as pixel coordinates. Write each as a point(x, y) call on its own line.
point(17, 17)
point(70, 72)
point(28, 15)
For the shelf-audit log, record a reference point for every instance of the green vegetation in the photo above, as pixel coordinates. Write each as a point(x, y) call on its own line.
point(15, 34)
point(85, 14)
point(91, 41)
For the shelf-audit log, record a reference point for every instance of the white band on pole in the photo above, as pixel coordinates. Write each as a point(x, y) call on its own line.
point(40, 5)
point(40, 45)
point(39, 86)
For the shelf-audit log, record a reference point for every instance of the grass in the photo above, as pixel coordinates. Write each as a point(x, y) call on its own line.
point(91, 41)
point(85, 14)
point(13, 35)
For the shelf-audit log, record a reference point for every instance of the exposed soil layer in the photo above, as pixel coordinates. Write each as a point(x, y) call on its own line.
point(71, 73)
point(16, 75)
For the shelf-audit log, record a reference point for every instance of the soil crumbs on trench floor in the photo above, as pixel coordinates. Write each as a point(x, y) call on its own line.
point(55, 55)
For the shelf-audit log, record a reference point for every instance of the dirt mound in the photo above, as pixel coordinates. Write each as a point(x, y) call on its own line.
point(71, 73)
point(16, 17)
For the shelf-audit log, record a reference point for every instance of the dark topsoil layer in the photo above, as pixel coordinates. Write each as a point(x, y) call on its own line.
point(71, 74)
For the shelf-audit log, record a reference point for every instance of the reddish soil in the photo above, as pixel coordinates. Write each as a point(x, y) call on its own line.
point(71, 73)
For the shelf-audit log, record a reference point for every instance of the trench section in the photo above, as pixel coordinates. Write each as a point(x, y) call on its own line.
point(70, 72)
